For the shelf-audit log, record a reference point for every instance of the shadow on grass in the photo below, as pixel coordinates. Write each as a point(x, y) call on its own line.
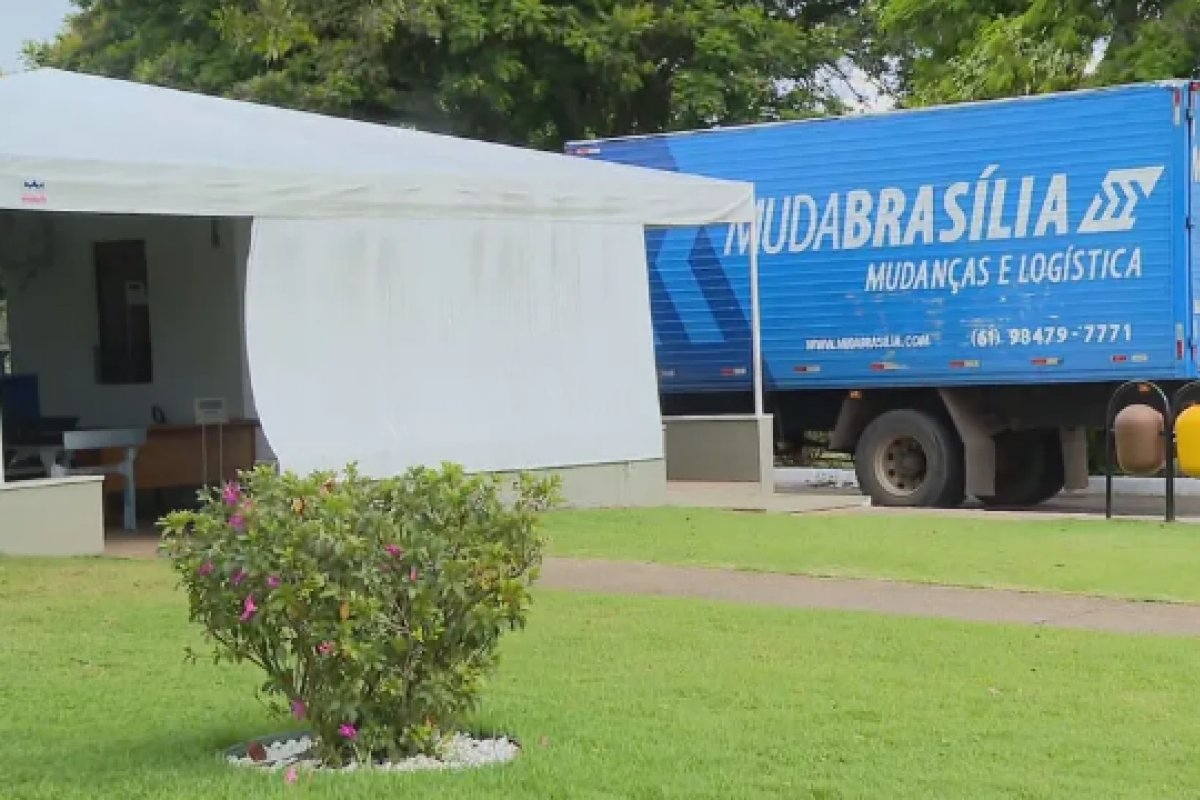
point(122, 766)
point(181, 756)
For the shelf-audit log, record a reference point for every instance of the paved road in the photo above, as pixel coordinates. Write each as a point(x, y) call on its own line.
point(884, 597)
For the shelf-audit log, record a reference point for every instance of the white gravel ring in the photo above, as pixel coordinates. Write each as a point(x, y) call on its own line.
point(459, 751)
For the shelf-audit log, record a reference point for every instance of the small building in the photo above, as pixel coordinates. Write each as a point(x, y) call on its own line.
point(212, 283)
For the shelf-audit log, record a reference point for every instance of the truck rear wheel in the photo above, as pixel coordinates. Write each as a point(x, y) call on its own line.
point(909, 458)
point(1029, 469)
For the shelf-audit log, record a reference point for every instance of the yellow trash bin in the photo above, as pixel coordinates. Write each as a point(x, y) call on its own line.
point(1138, 430)
point(1187, 440)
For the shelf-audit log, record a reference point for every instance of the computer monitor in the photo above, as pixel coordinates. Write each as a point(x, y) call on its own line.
point(20, 401)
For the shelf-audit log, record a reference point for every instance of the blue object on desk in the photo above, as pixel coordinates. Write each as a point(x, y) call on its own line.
point(20, 401)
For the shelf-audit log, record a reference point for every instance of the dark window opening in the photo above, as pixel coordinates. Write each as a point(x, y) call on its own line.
point(123, 355)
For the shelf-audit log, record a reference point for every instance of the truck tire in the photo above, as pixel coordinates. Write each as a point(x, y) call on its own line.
point(1029, 469)
point(910, 459)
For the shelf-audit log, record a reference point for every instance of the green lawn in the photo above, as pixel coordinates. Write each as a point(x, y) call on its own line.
point(618, 698)
point(1142, 560)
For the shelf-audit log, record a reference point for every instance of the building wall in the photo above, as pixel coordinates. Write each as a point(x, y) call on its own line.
point(195, 314)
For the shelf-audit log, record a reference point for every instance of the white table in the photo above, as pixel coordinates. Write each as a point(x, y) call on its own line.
point(56, 459)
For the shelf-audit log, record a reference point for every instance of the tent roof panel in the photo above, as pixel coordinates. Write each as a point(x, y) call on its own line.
point(83, 143)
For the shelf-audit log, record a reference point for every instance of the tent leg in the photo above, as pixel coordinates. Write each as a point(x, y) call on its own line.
point(126, 470)
point(755, 321)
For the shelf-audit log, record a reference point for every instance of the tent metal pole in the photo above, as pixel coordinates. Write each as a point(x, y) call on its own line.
point(755, 317)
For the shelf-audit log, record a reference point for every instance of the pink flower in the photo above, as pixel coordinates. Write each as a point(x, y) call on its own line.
point(248, 608)
point(325, 648)
point(290, 776)
point(205, 569)
point(237, 522)
point(299, 710)
point(348, 731)
point(413, 574)
point(232, 493)
point(273, 581)
point(238, 576)
point(395, 550)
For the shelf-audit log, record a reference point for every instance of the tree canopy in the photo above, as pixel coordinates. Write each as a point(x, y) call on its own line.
point(542, 71)
point(952, 50)
point(525, 71)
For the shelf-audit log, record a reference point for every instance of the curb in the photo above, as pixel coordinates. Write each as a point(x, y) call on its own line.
point(792, 478)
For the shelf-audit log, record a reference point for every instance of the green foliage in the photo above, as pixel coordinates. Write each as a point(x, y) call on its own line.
point(1162, 44)
point(373, 607)
point(1003, 62)
point(523, 71)
point(542, 71)
point(951, 50)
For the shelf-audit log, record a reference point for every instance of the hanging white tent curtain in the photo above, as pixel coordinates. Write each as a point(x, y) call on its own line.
point(533, 354)
point(410, 298)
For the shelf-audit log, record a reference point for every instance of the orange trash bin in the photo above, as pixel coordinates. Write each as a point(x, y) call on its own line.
point(1138, 430)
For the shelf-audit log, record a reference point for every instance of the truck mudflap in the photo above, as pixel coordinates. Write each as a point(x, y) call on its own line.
point(1075, 458)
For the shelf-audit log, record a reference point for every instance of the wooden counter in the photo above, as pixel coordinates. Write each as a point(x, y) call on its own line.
point(173, 456)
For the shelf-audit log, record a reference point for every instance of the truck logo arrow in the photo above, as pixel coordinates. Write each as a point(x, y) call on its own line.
point(1112, 210)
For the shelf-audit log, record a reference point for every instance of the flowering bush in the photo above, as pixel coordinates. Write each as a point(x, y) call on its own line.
point(373, 607)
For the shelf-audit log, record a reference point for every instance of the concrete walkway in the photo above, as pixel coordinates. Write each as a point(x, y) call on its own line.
point(883, 597)
point(792, 500)
point(750, 497)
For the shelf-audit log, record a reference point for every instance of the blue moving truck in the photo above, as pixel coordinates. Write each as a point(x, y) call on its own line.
point(953, 292)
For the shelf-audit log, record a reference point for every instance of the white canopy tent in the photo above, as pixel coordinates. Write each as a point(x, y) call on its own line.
point(409, 297)
point(102, 145)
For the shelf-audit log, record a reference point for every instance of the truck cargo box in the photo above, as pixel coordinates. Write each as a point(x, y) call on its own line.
point(1029, 241)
